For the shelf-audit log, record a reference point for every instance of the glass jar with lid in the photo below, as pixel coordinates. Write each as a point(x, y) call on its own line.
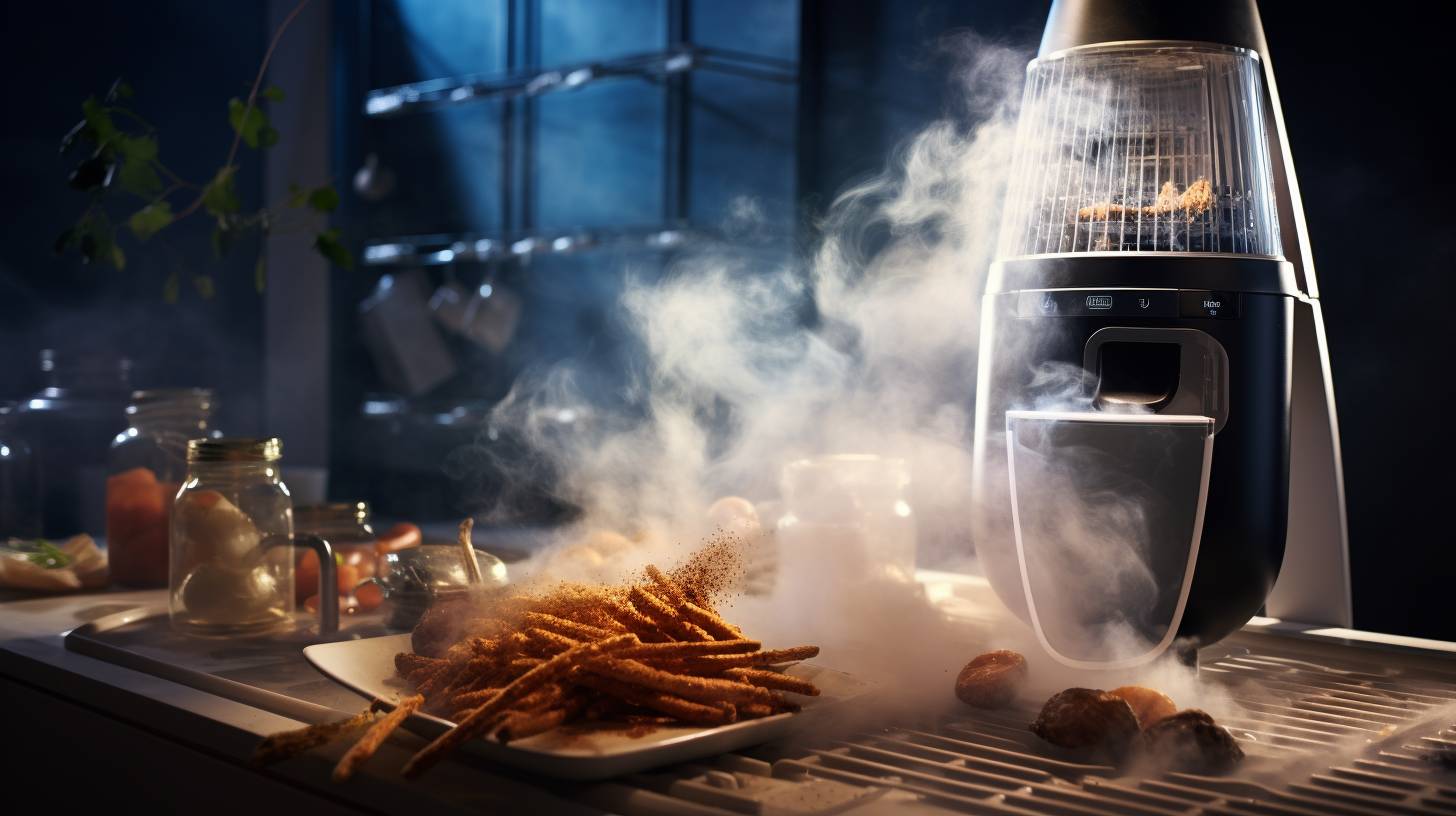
point(146, 467)
point(69, 424)
point(228, 577)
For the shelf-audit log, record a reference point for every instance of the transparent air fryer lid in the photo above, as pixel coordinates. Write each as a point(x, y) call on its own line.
point(1142, 147)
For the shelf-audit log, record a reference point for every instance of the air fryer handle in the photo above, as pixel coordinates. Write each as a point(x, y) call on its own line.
point(1193, 381)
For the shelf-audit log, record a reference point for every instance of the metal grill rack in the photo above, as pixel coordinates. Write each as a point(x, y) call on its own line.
point(1325, 736)
point(1107, 134)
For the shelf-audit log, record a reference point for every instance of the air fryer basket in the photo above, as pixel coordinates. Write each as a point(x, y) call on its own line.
point(1142, 147)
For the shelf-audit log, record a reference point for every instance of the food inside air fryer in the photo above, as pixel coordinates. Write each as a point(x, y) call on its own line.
point(650, 653)
point(1195, 200)
point(1087, 718)
point(992, 680)
point(1191, 741)
point(1150, 705)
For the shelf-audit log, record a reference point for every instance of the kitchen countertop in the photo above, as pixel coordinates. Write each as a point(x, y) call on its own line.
point(152, 741)
point(178, 744)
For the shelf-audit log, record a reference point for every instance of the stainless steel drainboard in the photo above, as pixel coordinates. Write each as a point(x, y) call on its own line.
point(1344, 734)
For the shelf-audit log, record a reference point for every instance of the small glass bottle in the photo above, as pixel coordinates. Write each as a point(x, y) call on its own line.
point(847, 516)
point(229, 576)
point(19, 481)
point(146, 466)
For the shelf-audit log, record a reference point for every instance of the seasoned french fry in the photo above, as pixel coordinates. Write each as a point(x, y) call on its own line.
point(670, 704)
point(774, 680)
point(701, 689)
point(718, 663)
point(651, 653)
point(562, 626)
point(522, 724)
point(531, 680)
point(636, 622)
point(665, 586)
point(375, 737)
point(286, 744)
point(710, 621)
point(550, 642)
point(664, 615)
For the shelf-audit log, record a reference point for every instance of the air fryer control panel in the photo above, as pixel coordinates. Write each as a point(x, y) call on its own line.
point(1189, 303)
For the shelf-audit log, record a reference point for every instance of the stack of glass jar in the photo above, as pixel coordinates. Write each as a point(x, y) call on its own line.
point(146, 467)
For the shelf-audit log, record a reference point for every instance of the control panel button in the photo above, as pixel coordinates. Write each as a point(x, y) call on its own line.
point(1216, 305)
point(1099, 303)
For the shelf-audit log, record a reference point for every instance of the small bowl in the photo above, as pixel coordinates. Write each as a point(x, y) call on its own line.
point(416, 578)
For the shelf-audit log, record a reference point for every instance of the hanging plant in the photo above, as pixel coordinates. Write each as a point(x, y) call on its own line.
point(120, 166)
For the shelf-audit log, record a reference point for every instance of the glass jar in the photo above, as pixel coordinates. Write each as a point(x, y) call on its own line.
point(70, 424)
point(846, 517)
point(229, 575)
point(19, 481)
point(145, 468)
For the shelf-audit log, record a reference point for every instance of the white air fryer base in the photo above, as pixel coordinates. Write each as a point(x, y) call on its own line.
point(1177, 619)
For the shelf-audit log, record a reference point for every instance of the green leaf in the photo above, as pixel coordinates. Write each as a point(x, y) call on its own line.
point(150, 220)
point(98, 120)
point(118, 258)
point(221, 196)
point(139, 179)
point(137, 148)
point(268, 136)
point(48, 555)
point(247, 121)
point(171, 289)
point(324, 199)
point(260, 273)
point(297, 196)
point(328, 245)
point(205, 286)
point(272, 93)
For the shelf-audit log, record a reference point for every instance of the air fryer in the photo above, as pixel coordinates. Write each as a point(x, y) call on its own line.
point(1151, 241)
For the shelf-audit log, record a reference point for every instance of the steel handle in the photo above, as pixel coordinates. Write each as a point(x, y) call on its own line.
point(328, 593)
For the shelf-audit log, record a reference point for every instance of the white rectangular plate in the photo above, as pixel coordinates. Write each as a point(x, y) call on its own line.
point(367, 667)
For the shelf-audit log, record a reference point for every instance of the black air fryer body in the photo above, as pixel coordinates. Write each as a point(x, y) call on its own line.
point(1209, 311)
point(1244, 521)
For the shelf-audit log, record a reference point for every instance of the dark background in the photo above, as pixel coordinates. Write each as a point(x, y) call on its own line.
point(1363, 101)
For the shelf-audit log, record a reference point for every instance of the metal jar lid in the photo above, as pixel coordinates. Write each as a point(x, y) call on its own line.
point(235, 450)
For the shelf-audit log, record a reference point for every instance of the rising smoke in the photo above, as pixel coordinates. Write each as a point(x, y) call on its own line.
point(734, 383)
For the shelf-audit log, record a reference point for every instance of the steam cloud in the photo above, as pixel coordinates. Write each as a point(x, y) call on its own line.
point(734, 383)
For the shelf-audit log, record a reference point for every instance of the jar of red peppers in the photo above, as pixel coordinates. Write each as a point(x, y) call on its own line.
point(146, 466)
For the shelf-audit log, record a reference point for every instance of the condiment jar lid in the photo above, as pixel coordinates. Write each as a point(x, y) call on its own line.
point(235, 450)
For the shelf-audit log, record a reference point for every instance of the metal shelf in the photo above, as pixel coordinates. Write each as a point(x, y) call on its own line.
point(451, 91)
point(441, 250)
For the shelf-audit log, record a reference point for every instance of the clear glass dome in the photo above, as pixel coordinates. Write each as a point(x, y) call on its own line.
point(1142, 148)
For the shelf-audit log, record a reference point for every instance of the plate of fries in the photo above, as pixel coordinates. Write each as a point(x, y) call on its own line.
point(585, 751)
point(581, 683)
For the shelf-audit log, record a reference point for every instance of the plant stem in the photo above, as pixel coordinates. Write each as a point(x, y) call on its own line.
point(252, 102)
